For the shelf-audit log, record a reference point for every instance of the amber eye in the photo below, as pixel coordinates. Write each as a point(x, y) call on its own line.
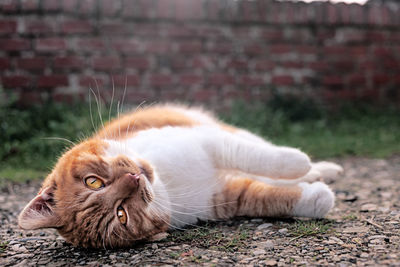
point(94, 182)
point(122, 215)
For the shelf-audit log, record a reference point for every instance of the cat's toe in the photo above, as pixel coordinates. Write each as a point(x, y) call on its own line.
point(292, 163)
point(316, 200)
point(329, 171)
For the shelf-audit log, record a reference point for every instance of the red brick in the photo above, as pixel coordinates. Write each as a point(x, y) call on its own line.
point(213, 9)
point(114, 28)
point(126, 46)
point(292, 64)
point(92, 81)
point(4, 63)
point(165, 9)
point(50, 81)
point(375, 36)
point(357, 79)
point(70, 5)
point(69, 62)
point(190, 47)
point(51, 5)
point(264, 65)
point(30, 5)
point(319, 66)
point(280, 49)
point(282, 80)
point(137, 63)
point(8, 26)
point(333, 80)
point(204, 95)
point(37, 63)
point(8, 6)
point(50, 44)
point(87, 7)
point(190, 79)
point(157, 47)
point(337, 50)
point(179, 30)
point(106, 63)
point(306, 49)
point(17, 81)
point(128, 80)
point(189, 9)
point(381, 79)
point(254, 49)
point(161, 79)
point(251, 80)
point(272, 35)
point(70, 98)
point(238, 64)
point(91, 44)
point(139, 96)
point(110, 7)
point(221, 48)
point(344, 65)
point(15, 44)
point(39, 27)
point(221, 79)
point(76, 26)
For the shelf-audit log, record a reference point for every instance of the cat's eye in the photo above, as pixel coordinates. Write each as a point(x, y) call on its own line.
point(94, 182)
point(122, 216)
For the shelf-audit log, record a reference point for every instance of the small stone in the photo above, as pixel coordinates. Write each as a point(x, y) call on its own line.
point(368, 207)
point(283, 231)
point(154, 246)
point(112, 257)
point(264, 226)
point(271, 262)
point(259, 252)
point(257, 220)
point(269, 244)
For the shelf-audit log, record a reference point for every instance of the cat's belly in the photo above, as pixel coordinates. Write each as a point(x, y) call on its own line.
point(184, 167)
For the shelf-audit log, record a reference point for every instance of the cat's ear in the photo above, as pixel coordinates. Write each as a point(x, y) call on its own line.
point(39, 212)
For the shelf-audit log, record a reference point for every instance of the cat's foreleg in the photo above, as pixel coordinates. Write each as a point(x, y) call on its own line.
point(247, 197)
point(232, 152)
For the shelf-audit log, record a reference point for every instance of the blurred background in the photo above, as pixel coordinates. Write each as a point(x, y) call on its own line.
point(322, 76)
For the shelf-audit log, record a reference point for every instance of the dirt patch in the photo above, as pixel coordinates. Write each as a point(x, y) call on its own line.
point(362, 229)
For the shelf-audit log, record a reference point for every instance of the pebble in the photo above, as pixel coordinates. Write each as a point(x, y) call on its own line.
point(368, 207)
point(264, 226)
point(283, 231)
point(269, 244)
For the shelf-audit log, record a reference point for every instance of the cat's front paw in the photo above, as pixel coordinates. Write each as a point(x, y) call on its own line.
point(329, 171)
point(292, 163)
point(316, 200)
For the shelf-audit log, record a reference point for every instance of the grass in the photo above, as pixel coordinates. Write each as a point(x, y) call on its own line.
point(33, 138)
point(309, 228)
point(211, 237)
point(351, 130)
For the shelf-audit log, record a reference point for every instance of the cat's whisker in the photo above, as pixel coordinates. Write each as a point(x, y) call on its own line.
point(112, 98)
point(60, 139)
point(90, 111)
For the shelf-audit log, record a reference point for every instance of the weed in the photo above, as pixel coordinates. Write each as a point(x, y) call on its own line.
point(310, 228)
point(3, 246)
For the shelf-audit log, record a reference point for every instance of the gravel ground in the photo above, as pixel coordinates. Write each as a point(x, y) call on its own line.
point(363, 229)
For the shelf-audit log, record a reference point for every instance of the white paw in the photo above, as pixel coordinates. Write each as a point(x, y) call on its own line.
point(292, 163)
point(329, 170)
point(316, 200)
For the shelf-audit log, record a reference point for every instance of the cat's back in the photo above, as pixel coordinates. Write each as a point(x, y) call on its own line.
point(158, 116)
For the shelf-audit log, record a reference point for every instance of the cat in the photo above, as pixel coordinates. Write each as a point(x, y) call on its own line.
point(166, 167)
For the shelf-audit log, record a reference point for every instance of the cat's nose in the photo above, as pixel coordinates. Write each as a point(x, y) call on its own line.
point(134, 178)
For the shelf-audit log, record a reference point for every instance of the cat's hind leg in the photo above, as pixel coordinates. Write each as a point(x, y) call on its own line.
point(247, 197)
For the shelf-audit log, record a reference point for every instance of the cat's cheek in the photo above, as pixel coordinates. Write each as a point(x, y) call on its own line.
point(159, 236)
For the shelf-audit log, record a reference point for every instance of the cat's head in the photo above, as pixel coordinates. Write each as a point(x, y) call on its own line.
point(95, 198)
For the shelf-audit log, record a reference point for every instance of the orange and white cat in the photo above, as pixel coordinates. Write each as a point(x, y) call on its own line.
point(169, 166)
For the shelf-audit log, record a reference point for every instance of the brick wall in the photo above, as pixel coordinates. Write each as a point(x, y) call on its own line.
point(209, 51)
